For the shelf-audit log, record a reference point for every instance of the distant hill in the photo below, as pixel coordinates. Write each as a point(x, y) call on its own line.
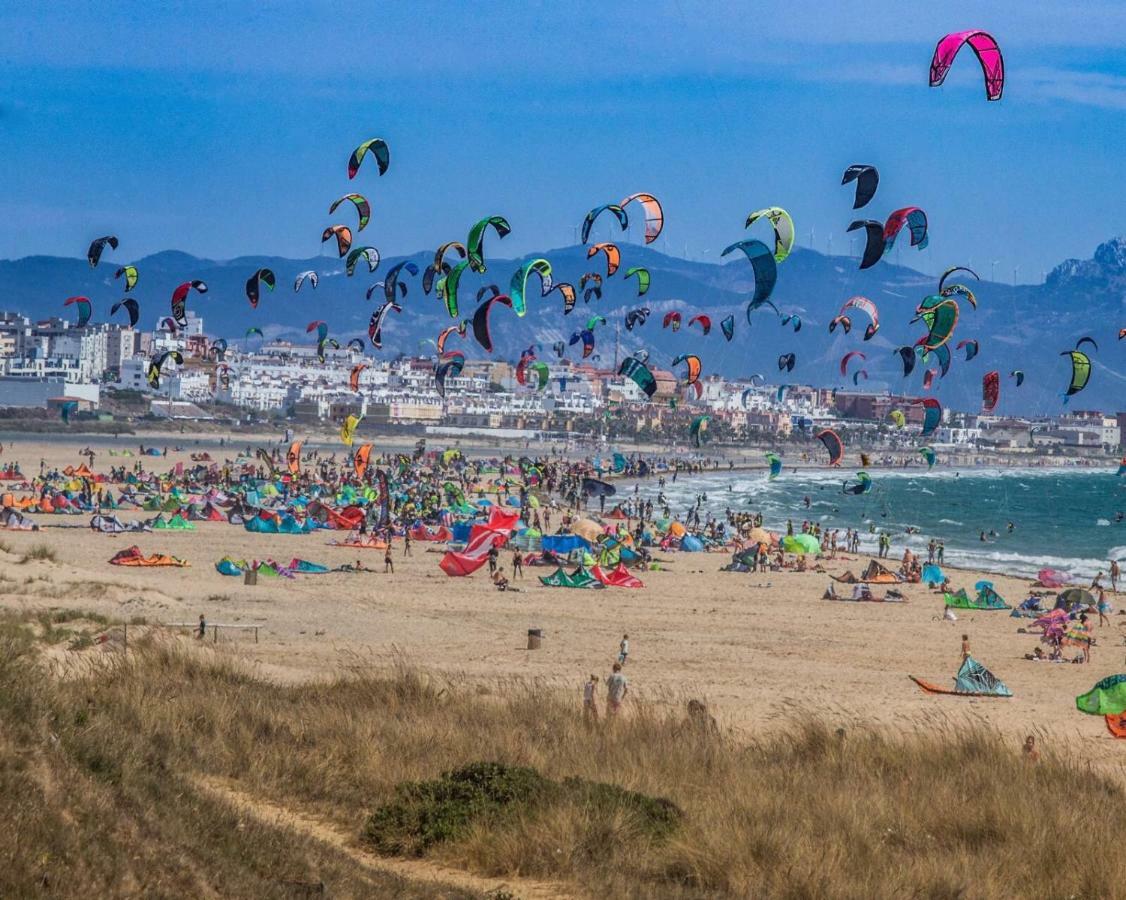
point(1024, 327)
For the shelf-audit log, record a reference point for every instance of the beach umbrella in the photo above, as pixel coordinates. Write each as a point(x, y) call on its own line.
point(1107, 698)
point(801, 544)
point(761, 536)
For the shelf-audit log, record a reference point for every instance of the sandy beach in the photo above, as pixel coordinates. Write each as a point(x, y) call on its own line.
point(759, 648)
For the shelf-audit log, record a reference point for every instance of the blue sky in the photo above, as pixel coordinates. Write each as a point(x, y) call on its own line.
point(224, 129)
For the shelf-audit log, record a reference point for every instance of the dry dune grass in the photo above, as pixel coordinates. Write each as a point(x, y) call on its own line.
point(804, 810)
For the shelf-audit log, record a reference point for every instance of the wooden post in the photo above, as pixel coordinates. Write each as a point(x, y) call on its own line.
point(125, 641)
point(256, 634)
point(216, 629)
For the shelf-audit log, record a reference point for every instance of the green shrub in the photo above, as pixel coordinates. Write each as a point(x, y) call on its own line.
point(425, 813)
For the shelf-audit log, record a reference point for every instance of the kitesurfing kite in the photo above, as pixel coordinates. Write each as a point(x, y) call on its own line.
point(343, 235)
point(359, 201)
point(97, 247)
point(84, 307)
point(654, 214)
point(130, 306)
point(783, 229)
point(263, 276)
point(833, 444)
point(988, 55)
point(763, 265)
point(867, 180)
point(377, 147)
point(130, 275)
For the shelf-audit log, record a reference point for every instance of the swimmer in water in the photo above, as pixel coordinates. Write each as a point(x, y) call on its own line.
point(806, 501)
point(1011, 527)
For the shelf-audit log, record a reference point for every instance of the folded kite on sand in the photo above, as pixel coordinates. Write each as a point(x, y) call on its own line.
point(986, 598)
point(580, 578)
point(1106, 698)
point(972, 680)
point(133, 557)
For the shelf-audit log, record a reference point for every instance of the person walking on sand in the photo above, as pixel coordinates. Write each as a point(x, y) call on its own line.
point(616, 689)
point(1103, 607)
point(1114, 573)
point(201, 632)
point(517, 564)
point(388, 562)
point(590, 700)
point(407, 543)
point(623, 650)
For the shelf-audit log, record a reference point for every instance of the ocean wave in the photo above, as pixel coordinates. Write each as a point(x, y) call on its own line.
point(1052, 511)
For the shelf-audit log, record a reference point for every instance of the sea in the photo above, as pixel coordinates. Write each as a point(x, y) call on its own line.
point(1073, 520)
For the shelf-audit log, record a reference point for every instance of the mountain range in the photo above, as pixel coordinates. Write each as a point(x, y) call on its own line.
point(1023, 327)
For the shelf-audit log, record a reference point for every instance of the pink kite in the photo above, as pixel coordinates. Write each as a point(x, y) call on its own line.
point(988, 54)
point(617, 577)
point(1051, 578)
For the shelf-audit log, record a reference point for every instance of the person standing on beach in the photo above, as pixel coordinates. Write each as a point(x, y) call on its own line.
point(1114, 573)
point(517, 564)
point(407, 543)
point(201, 632)
point(623, 650)
point(388, 562)
point(965, 647)
point(1103, 607)
point(616, 689)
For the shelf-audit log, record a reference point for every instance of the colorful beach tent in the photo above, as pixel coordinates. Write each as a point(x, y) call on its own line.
point(562, 544)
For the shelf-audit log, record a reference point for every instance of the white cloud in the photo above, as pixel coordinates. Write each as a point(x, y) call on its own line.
point(1098, 89)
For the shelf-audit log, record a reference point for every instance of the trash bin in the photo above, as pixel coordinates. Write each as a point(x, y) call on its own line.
point(535, 638)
